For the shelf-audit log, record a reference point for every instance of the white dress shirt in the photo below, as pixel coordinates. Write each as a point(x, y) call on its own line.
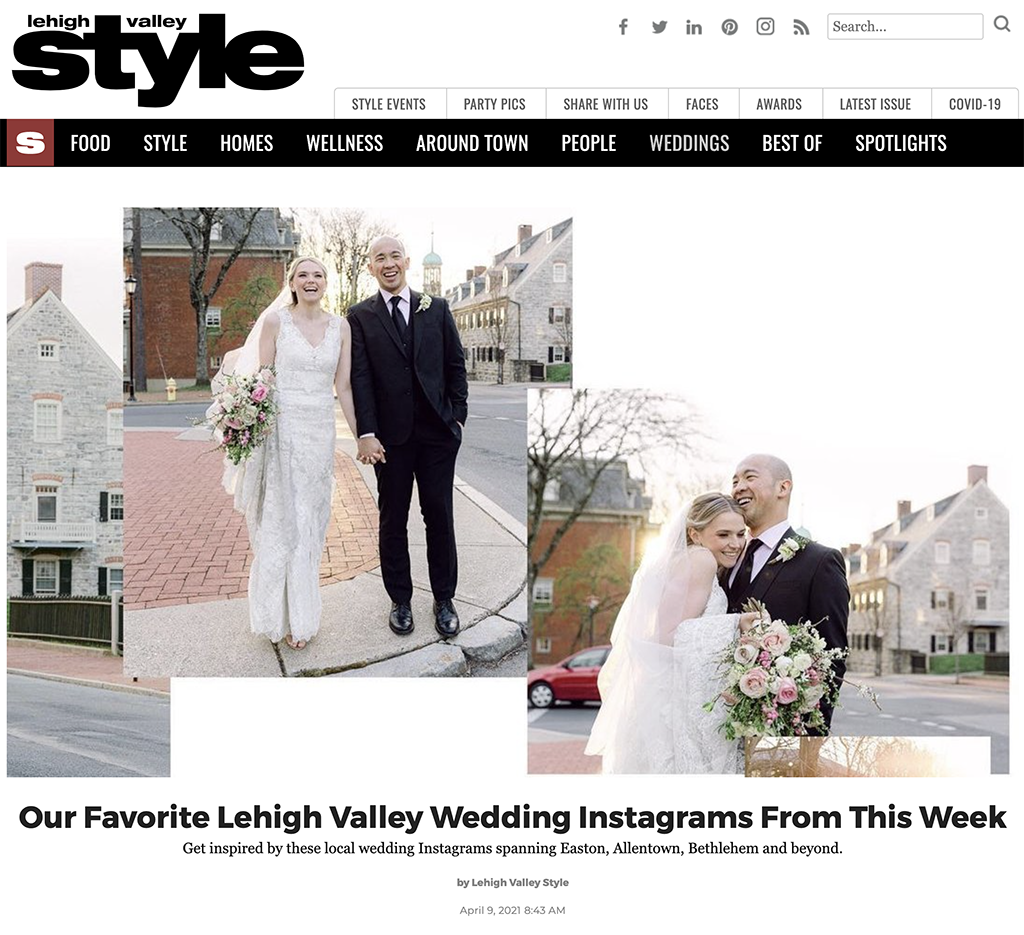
point(770, 538)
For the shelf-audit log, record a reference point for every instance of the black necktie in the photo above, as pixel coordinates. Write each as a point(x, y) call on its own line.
point(399, 318)
point(741, 585)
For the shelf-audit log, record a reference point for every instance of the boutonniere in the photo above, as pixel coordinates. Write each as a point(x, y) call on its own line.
point(425, 301)
point(790, 546)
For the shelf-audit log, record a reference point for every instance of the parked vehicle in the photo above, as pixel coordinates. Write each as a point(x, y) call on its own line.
point(574, 679)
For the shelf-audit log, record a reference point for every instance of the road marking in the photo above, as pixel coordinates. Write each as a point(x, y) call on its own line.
point(911, 719)
point(946, 727)
point(502, 419)
point(887, 716)
point(535, 714)
point(929, 724)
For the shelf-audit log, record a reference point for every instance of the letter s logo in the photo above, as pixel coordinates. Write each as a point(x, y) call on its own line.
point(31, 143)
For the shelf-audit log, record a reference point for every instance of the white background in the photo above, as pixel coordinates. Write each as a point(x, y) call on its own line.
point(693, 280)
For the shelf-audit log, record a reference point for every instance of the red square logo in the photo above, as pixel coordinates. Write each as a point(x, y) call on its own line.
point(30, 142)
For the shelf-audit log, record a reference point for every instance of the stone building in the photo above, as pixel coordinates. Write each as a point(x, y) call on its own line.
point(65, 497)
point(518, 311)
point(615, 526)
point(170, 321)
point(930, 575)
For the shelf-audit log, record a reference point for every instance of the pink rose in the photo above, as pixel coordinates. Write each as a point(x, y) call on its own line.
point(234, 423)
point(259, 394)
point(754, 684)
point(787, 692)
point(777, 640)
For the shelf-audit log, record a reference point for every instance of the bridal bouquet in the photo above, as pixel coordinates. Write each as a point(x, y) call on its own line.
point(242, 413)
point(776, 677)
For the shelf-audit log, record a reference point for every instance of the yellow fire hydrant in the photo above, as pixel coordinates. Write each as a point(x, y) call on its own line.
point(172, 390)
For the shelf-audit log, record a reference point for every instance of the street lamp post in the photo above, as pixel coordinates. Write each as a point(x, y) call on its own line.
point(501, 362)
point(593, 602)
point(130, 285)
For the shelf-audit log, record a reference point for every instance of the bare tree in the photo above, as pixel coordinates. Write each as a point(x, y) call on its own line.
point(958, 620)
point(563, 331)
point(342, 237)
point(201, 227)
point(240, 313)
point(587, 431)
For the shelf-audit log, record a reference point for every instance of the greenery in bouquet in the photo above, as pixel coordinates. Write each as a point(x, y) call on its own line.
point(776, 677)
point(242, 414)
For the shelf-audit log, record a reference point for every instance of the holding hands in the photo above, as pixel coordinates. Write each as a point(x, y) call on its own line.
point(370, 451)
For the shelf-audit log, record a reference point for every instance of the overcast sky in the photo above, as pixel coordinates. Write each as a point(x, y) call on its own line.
point(463, 237)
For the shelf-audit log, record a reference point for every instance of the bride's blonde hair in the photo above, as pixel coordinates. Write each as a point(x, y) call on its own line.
point(293, 266)
point(705, 508)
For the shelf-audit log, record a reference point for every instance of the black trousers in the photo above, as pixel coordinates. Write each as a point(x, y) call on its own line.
point(429, 458)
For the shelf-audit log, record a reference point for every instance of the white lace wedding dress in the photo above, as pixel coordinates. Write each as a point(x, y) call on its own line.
point(288, 525)
point(698, 745)
point(652, 719)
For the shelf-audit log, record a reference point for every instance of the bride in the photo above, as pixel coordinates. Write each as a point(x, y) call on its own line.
point(666, 644)
point(286, 486)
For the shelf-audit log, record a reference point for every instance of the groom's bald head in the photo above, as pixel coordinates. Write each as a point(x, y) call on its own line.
point(762, 486)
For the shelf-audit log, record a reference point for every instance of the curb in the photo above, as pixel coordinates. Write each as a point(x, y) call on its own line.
point(502, 517)
point(90, 683)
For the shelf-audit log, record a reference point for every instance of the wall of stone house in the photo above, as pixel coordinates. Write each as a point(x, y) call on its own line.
point(919, 574)
point(81, 463)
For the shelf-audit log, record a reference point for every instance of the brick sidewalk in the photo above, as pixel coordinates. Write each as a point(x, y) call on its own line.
point(560, 756)
point(77, 663)
point(185, 544)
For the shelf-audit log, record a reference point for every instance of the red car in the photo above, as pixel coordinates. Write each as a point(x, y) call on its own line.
point(574, 679)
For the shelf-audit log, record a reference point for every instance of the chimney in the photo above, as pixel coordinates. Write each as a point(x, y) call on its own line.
point(525, 232)
point(479, 270)
point(902, 508)
point(975, 473)
point(469, 275)
point(42, 276)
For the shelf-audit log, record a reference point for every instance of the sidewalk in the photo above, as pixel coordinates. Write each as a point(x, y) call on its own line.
point(552, 752)
point(81, 665)
point(187, 559)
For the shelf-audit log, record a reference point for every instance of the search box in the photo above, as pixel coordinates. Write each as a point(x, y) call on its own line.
point(906, 25)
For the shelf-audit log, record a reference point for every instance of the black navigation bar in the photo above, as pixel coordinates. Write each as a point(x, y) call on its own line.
point(603, 142)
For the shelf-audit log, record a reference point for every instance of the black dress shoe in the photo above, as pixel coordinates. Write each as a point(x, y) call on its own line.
point(400, 620)
point(446, 620)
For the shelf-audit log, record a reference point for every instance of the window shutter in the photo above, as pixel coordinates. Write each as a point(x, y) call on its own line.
point(65, 576)
point(551, 355)
point(551, 316)
point(568, 352)
point(103, 506)
point(970, 642)
point(933, 642)
point(933, 608)
point(950, 599)
point(28, 567)
point(568, 315)
point(103, 582)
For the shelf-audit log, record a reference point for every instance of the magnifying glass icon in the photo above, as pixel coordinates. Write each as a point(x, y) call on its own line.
point(1001, 22)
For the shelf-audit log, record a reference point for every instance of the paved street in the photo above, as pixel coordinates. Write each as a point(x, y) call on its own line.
point(493, 455)
point(60, 729)
point(912, 706)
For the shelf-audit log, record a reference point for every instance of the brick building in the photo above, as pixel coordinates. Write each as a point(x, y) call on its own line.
point(170, 321)
point(519, 307)
point(615, 527)
point(65, 496)
point(929, 572)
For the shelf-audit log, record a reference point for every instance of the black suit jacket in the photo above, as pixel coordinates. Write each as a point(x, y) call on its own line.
point(810, 586)
point(381, 371)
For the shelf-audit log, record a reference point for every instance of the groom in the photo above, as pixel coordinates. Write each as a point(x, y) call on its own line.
point(409, 384)
point(808, 583)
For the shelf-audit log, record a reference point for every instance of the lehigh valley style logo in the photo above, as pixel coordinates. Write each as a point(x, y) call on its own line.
point(61, 50)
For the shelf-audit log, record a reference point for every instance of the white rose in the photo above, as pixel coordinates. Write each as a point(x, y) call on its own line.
point(801, 662)
point(734, 676)
point(745, 653)
point(783, 664)
point(812, 694)
point(819, 644)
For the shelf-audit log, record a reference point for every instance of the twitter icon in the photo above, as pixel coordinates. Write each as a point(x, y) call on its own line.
point(660, 27)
